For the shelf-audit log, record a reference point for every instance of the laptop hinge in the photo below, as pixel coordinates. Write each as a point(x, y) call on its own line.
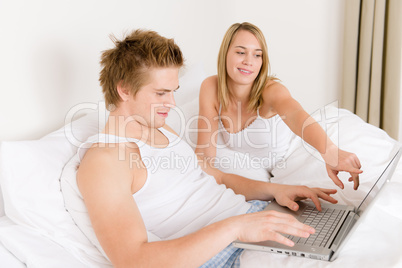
point(347, 224)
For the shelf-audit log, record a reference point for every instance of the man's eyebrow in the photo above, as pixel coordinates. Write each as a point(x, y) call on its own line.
point(167, 90)
point(258, 49)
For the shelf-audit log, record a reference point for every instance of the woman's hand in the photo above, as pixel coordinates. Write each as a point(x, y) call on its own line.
point(286, 195)
point(338, 160)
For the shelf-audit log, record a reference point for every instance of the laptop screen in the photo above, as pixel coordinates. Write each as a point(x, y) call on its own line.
point(385, 176)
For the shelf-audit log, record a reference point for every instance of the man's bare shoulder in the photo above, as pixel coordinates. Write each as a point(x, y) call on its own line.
point(109, 162)
point(109, 152)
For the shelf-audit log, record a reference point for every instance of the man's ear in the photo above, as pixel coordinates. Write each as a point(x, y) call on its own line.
point(124, 93)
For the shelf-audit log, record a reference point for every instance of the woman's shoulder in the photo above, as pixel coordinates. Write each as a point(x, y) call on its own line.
point(210, 82)
point(210, 86)
point(273, 84)
point(274, 88)
point(274, 94)
point(209, 94)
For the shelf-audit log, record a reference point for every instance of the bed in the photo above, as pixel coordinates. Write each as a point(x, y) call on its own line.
point(37, 231)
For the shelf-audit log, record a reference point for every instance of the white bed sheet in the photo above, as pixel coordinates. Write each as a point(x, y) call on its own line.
point(30, 248)
point(7, 259)
point(376, 242)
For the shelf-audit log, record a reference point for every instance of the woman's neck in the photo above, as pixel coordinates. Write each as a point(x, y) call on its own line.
point(239, 93)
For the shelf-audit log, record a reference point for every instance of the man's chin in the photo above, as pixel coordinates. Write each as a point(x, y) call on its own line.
point(158, 124)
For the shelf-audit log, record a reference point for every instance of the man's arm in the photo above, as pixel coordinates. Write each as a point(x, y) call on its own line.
point(107, 186)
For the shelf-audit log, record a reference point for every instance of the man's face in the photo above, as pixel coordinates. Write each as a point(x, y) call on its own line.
point(153, 101)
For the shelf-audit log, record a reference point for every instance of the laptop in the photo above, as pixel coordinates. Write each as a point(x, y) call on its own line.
point(333, 224)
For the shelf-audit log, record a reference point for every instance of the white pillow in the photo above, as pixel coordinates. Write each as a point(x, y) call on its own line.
point(183, 118)
point(29, 178)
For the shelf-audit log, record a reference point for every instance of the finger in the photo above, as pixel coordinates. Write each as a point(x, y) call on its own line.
point(285, 223)
point(274, 236)
point(327, 191)
point(314, 197)
point(291, 204)
point(283, 240)
point(355, 181)
point(353, 170)
point(290, 225)
point(357, 162)
point(335, 179)
point(325, 196)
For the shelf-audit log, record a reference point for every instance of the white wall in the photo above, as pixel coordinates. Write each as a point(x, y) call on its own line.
point(49, 49)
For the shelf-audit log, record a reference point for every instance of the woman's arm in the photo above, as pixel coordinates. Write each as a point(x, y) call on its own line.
point(303, 125)
point(285, 195)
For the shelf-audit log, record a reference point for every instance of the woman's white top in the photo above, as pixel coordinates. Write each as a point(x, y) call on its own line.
point(259, 147)
point(177, 198)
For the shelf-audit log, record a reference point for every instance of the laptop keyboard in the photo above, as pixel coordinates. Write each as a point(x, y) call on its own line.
point(323, 222)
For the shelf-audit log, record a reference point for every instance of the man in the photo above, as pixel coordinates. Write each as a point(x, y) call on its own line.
point(131, 202)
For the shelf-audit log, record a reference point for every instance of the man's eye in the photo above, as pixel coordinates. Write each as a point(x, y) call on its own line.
point(160, 93)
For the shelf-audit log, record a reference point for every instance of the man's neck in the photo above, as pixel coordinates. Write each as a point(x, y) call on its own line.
point(126, 126)
point(121, 124)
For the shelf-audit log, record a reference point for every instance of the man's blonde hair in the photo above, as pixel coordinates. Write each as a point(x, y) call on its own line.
point(224, 95)
point(128, 62)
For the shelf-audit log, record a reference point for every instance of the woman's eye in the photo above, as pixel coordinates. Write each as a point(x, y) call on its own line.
point(258, 56)
point(160, 93)
point(239, 52)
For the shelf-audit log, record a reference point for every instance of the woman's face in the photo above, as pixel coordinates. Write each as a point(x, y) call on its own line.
point(244, 58)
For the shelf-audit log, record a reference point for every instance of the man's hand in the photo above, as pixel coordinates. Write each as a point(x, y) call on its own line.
point(286, 195)
point(269, 225)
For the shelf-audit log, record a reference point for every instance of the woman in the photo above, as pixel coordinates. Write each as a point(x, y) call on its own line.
point(246, 110)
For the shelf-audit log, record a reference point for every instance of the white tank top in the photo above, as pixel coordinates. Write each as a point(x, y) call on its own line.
point(177, 198)
point(261, 145)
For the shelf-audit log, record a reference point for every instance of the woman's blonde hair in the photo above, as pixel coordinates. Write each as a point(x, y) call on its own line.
point(224, 94)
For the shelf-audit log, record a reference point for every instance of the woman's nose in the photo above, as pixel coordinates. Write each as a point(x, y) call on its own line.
point(247, 60)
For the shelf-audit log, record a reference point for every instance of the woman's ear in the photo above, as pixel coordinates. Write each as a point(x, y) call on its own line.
point(124, 93)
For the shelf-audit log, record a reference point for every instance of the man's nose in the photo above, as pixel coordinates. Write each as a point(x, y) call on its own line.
point(170, 102)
